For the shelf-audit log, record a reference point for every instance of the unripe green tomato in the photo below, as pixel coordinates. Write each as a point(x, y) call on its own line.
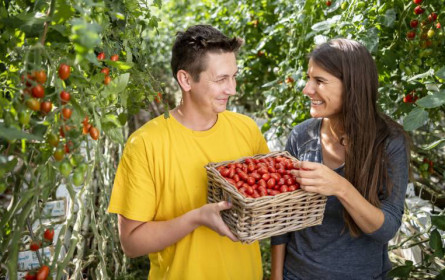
point(82, 167)
point(415, 69)
point(24, 117)
point(430, 33)
point(360, 4)
point(53, 140)
point(65, 168)
point(78, 178)
point(76, 159)
point(344, 5)
point(408, 70)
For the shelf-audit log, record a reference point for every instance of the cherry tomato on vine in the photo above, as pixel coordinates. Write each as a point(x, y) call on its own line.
point(105, 70)
point(66, 113)
point(40, 76)
point(65, 97)
point(94, 133)
point(101, 56)
point(34, 246)
point(43, 272)
point(65, 168)
point(33, 104)
point(107, 80)
point(78, 177)
point(38, 91)
point(59, 154)
point(53, 139)
point(30, 275)
point(64, 71)
point(46, 107)
point(48, 234)
point(114, 57)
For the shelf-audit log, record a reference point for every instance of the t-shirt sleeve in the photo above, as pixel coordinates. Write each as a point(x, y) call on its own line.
point(393, 205)
point(133, 194)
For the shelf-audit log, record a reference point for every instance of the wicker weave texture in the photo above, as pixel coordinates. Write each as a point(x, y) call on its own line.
point(252, 219)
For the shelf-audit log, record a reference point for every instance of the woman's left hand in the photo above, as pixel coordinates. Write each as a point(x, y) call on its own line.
point(318, 178)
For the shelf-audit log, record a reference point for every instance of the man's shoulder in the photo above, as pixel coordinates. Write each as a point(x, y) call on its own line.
point(150, 130)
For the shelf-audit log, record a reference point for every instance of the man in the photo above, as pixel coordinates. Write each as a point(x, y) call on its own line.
point(160, 189)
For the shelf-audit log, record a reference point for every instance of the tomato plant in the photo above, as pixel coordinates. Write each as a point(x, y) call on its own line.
point(48, 234)
point(65, 97)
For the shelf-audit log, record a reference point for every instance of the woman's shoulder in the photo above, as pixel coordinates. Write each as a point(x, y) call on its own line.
point(307, 129)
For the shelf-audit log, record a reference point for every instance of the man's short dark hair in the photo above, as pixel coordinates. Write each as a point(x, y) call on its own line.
point(191, 46)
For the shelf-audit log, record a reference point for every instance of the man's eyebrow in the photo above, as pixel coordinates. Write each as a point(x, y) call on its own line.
point(226, 75)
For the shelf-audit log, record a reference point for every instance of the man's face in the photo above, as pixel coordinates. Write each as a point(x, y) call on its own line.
point(216, 83)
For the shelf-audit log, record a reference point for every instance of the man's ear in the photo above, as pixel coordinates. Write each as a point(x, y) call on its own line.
point(184, 80)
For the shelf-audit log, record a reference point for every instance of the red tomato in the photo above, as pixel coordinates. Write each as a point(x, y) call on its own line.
point(43, 272)
point(224, 172)
point(66, 113)
point(266, 176)
point(239, 184)
point(105, 70)
point(107, 80)
point(65, 97)
point(262, 183)
point(114, 57)
point(94, 133)
point(271, 183)
point(250, 180)
point(236, 177)
point(255, 175)
point(34, 246)
point(276, 176)
point(86, 121)
point(86, 129)
point(272, 169)
point(255, 194)
point(251, 167)
point(283, 188)
point(64, 71)
point(40, 76)
point(231, 181)
point(38, 91)
point(231, 172)
point(101, 56)
point(291, 188)
point(46, 107)
point(263, 170)
point(48, 234)
point(30, 276)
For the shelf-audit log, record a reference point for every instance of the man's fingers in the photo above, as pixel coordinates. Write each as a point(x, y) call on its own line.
point(224, 205)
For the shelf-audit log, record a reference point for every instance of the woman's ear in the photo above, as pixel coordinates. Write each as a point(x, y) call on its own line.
point(184, 80)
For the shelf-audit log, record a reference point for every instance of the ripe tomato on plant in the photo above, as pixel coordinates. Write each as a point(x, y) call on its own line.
point(34, 246)
point(65, 97)
point(48, 234)
point(64, 71)
point(328, 3)
point(114, 57)
point(43, 273)
point(94, 133)
point(418, 2)
point(105, 70)
point(38, 91)
point(418, 10)
point(30, 275)
point(414, 23)
point(46, 107)
point(107, 80)
point(101, 56)
point(66, 112)
point(68, 146)
point(40, 76)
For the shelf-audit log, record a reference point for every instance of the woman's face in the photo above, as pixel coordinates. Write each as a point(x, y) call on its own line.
point(325, 92)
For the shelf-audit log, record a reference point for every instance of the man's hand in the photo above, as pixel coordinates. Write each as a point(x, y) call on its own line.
point(209, 216)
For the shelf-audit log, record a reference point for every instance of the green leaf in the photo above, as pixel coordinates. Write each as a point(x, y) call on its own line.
point(436, 243)
point(389, 18)
point(441, 73)
point(433, 145)
point(415, 119)
point(11, 133)
point(438, 221)
point(120, 83)
point(115, 134)
point(120, 64)
point(7, 165)
point(158, 3)
point(421, 76)
point(432, 101)
point(63, 12)
point(401, 271)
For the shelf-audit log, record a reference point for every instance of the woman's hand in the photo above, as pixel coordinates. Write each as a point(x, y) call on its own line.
point(318, 178)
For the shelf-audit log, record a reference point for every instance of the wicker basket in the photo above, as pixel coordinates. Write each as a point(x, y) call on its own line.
point(252, 219)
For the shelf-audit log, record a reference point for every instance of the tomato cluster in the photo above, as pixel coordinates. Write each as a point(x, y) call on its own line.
point(261, 177)
point(106, 70)
point(427, 23)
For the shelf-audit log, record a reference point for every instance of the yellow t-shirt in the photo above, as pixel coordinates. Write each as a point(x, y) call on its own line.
point(161, 176)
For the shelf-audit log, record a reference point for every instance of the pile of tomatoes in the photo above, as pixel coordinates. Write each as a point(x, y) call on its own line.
point(261, 177)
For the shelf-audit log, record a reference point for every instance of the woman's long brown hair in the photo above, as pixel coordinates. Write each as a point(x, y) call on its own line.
point(365, 128)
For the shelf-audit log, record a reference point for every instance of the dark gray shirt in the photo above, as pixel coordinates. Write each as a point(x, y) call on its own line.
point(327, 251)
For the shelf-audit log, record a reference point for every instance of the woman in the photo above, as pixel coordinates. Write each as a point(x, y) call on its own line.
point(358, 158)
